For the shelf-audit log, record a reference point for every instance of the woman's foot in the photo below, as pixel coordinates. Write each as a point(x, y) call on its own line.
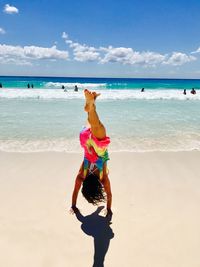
point(90, 98)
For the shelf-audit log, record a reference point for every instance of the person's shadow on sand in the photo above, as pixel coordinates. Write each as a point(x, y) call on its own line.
point(98, 227)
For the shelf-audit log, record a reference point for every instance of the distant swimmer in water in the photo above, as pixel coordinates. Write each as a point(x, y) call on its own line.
point(1, 86)
point(63, 87)
point(76, 88)
point(142, 90)
point(193, 91)
point(28, 85)
point(184, 92)
point(32, 86)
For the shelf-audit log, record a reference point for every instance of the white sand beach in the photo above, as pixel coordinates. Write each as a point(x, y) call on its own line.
point(155, 220)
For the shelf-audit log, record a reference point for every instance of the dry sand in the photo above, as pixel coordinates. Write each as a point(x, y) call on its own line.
point(156, 205)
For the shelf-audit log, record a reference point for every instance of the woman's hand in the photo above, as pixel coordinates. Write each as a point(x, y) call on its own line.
point(73, 209)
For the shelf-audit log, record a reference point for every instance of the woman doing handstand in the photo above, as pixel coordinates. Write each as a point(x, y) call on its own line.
point(93, 173)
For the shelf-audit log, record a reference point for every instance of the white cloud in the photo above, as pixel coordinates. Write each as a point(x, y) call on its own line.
point(2, 31)
point(15, 61)
point(64, 35)
point(104, 55)
point(125, 55)
point(17, 54)
point(10, 9)
point(178, 58)
point(129, 56)
point(82, 52)
point(196, 52)
point(44, 53)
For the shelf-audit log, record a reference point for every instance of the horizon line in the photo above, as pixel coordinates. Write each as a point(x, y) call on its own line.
point(93, 77)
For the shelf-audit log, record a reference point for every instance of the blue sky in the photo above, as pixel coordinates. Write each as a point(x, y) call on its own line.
point(100, 38)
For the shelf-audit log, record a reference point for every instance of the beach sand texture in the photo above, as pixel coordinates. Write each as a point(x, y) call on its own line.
point(155, 223)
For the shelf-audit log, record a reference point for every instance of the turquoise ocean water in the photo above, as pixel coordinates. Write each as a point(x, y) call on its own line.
point(47, 118)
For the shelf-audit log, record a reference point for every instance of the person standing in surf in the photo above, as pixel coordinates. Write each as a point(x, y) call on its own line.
point(93, 173)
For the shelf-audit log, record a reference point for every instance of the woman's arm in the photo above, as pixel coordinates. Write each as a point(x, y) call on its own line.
point(77, 186)
point(107, 187)
point(78, 183)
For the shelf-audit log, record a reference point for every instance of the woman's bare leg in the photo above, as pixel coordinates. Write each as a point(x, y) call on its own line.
point(97, 128)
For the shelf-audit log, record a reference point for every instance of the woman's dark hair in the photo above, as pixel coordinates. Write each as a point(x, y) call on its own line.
point(93, 190)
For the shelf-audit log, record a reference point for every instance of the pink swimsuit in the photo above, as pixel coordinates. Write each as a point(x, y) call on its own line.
point(95, 151)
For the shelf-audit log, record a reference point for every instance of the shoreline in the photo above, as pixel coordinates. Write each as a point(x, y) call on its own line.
point(113, 152)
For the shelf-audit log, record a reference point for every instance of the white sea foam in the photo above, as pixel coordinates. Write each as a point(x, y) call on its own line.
point(56, 145)
point(174, 144)
point(108, 94)
point(58, 85)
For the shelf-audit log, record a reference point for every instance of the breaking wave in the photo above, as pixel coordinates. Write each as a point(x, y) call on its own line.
point(106, 94)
